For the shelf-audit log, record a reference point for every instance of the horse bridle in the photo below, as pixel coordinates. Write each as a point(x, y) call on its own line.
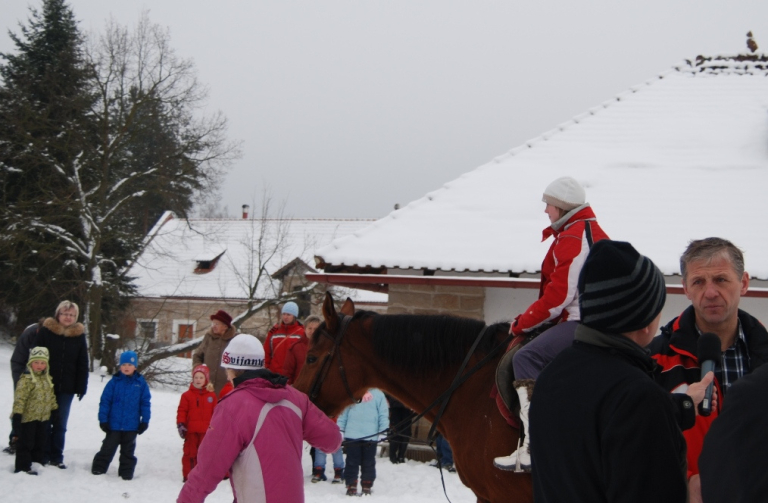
point(325, 367)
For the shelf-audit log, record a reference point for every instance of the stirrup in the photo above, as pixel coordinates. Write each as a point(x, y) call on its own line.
point(512, 462)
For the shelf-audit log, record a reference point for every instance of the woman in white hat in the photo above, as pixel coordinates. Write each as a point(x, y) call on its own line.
point(556, 312)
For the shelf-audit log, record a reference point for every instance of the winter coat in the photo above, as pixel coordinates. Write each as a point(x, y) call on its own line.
point(274, 347)
point(68, 351)
point(196, 409)
point(24, 343)
point(294, 358)
point(34, 398)
point(675, 350)
point(736, 445)
point(558, 296)
point(602, 430)
point(365, 419)
point(226, 390)
point(257, 432)
point(210, 351)
point(125, 402)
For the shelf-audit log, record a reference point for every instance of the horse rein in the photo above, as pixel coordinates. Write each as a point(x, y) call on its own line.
point(317, 383)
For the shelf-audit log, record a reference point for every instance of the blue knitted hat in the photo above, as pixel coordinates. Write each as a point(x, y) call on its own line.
point(291, 308)
point(129, 357)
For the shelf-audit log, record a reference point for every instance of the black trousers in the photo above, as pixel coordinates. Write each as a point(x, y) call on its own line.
point(127, 442)
point(361, 457)
point(398, 443)
point(33, 437)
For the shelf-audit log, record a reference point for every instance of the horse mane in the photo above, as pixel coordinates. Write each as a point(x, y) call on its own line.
point(427, 343)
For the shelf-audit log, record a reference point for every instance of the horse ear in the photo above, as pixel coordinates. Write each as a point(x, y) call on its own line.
point(348, 308)
point(329, 313)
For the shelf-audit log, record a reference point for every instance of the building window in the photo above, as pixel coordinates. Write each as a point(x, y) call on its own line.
point(303, 300)
point(146, 329)
point(206, 263)
point(184, 330)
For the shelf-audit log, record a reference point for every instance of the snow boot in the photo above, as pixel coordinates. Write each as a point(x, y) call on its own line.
point(367, 485)
point(318, 474)
point(520, 460)
point(352, 488)
point(338, 473)
point(11, 449)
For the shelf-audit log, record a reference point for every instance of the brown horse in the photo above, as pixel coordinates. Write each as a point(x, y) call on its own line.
point(415, 359)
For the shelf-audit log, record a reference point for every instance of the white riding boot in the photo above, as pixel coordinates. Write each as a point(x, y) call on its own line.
point(520, 460)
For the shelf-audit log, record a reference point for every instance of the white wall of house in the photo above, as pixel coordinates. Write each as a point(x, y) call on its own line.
point(503, 304)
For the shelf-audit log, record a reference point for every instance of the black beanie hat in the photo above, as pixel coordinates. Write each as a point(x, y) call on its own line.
point(619, 290)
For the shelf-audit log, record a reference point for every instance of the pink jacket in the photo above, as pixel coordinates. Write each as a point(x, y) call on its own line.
point(257, 432)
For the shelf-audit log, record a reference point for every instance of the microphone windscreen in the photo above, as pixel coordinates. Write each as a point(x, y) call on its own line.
point(709, 347)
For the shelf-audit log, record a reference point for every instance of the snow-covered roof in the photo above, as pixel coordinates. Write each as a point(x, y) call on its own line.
point(680, 157)
point(170, 265)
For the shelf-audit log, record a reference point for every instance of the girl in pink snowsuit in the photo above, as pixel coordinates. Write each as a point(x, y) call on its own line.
point(257, 432)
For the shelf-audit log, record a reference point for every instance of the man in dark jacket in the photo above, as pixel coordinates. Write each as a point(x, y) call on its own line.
point(602, 429)
point(714, 280)
point(733, 463)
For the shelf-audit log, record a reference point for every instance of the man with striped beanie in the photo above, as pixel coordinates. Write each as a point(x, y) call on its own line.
point(602, 429)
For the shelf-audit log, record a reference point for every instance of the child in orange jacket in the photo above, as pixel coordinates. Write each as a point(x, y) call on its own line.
point(194, 416)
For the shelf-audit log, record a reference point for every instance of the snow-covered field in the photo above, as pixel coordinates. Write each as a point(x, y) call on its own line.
point(158, 473)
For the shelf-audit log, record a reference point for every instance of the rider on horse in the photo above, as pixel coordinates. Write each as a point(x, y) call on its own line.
point(556, 312)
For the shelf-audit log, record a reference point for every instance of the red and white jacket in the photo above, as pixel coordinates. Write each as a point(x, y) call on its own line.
point(558, 296)
point(279, 340)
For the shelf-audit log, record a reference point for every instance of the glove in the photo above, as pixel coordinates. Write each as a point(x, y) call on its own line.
point(16, 423)
point(514, 328)
point(104, 427)
point(182, 430)
point(143, 427)
point(80, 397)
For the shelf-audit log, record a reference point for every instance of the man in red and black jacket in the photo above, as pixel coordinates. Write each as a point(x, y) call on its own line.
point(714, 280)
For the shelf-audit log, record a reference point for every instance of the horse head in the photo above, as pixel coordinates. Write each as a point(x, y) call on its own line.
point(332, 380)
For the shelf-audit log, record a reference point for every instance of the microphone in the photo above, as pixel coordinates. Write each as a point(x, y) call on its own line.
point(709, 353)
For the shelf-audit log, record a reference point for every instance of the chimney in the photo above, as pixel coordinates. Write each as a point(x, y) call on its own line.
point(245, 211)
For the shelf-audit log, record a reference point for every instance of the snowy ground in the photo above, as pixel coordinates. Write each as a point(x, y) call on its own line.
point(158, 473)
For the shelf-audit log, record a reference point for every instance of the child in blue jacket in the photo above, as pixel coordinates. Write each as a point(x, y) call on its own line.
point(123, 413)
point(361, 425)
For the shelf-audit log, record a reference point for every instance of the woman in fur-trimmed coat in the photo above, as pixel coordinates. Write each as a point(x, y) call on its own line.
point(65, 339)
point(210, 350)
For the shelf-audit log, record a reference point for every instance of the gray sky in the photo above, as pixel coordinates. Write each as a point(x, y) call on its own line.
point(346, 107)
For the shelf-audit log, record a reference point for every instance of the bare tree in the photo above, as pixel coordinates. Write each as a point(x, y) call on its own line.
point(153, 150)
point(264, 250)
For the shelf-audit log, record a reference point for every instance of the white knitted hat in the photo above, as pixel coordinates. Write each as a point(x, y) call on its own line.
point(244, 352)
point(565, 193)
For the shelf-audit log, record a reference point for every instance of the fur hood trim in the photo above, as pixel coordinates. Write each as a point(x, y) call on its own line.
point(57, 328)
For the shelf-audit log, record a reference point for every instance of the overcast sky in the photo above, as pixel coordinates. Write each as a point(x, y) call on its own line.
point(346, 107)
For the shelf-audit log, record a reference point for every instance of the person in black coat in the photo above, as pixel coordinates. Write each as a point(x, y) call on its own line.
point(733, 464)
point(602, 429)
point(65, 339)
point(400, 434)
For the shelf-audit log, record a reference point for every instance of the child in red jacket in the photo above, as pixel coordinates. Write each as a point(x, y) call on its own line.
point(194, 416)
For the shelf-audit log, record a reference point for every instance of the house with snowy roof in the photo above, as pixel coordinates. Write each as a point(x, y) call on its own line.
point(679, 157)
point(190, 268)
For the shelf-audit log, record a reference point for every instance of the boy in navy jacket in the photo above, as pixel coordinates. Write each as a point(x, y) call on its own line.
point(123, 413)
